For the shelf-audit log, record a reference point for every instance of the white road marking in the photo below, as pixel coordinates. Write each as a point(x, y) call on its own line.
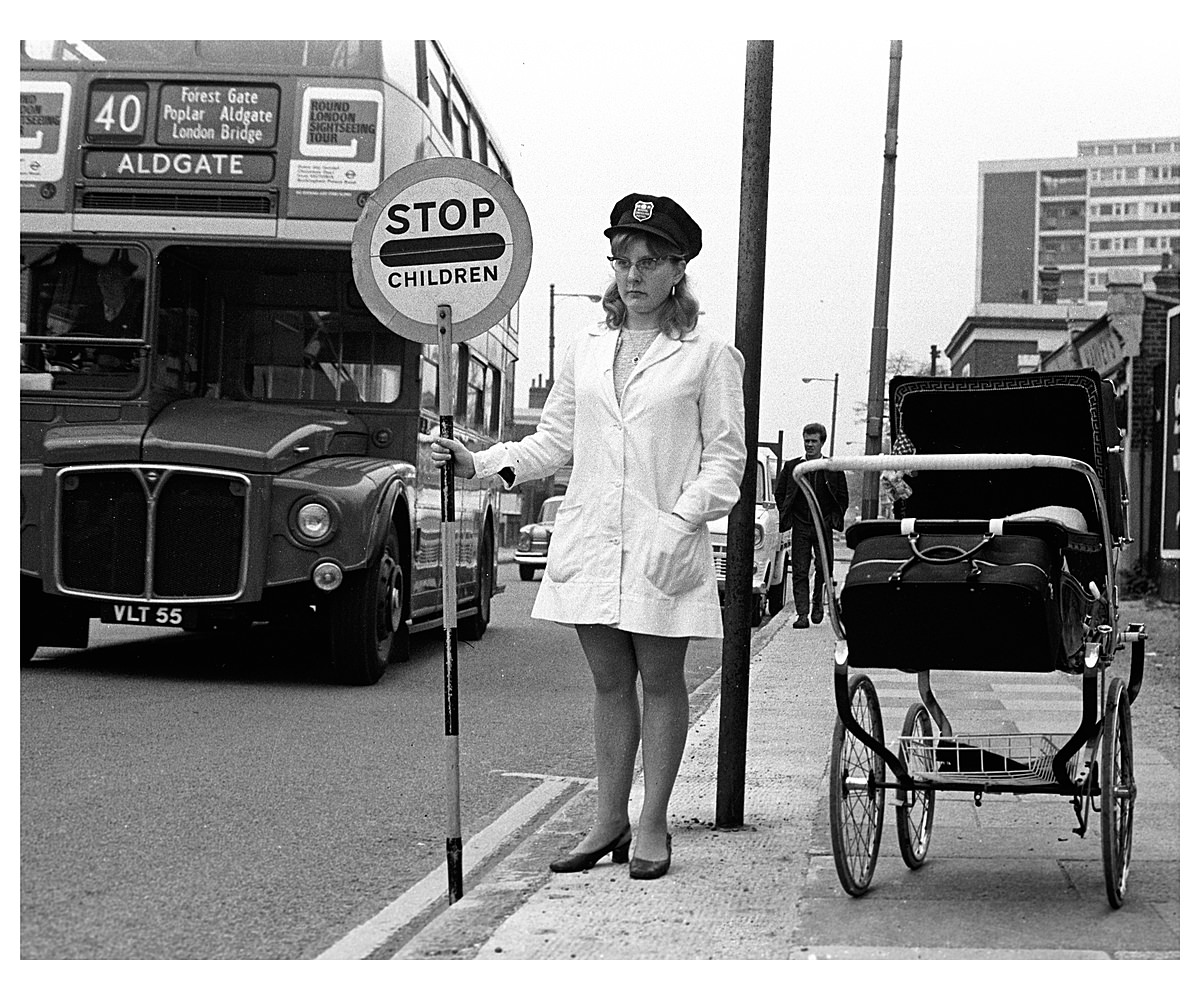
point(376, 932)
point(1040, 705)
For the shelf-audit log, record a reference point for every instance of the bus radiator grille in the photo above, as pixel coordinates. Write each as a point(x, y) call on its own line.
point(194, 523)
point(103, 547)
point(200, 525)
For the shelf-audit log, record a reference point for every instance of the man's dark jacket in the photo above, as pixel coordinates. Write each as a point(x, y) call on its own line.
point(832, 497)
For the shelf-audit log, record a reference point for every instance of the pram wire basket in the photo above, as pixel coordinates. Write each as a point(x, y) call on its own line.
point(987, 758)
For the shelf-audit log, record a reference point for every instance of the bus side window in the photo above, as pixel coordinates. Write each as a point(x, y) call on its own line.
point(429, 381)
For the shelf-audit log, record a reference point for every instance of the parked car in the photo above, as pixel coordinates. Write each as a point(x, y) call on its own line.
point(533, 540)
point(772, 547)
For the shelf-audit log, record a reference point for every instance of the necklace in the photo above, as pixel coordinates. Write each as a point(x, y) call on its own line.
point(631, 346)
point(637, 342)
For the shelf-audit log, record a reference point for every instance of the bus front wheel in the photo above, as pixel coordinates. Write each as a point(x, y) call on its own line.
point(365, 618)
point(485, 571)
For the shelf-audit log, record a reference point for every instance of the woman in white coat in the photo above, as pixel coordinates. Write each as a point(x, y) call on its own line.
point(649, 408)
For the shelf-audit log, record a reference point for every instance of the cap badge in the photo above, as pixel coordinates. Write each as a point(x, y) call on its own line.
point(643, 210)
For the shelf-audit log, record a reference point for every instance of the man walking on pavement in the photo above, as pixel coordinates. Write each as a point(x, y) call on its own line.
point(794, 513)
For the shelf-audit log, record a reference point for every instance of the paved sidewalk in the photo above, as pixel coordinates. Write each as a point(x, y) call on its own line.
point(1007, 880)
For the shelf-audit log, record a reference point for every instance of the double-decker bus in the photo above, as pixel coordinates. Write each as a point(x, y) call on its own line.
point(215, 431)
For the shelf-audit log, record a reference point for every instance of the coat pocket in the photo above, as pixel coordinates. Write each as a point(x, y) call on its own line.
point(677, 557)
point(565, 557)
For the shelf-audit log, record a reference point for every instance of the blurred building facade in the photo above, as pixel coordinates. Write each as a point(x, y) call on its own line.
point(1050, 230)
point(523, 504)
point(1135, 343)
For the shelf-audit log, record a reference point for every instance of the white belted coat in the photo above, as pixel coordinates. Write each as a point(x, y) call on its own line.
point(673, 444)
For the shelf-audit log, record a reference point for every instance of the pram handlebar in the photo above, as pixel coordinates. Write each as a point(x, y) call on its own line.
point(943, 463)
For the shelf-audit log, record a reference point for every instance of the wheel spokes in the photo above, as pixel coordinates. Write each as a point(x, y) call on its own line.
point(1123, 797)
point(860, 793)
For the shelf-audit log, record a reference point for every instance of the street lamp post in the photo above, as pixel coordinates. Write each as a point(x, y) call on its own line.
point(562, 295)
point(833, 421)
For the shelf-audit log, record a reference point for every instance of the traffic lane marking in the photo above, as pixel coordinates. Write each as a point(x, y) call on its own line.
point(372, 935)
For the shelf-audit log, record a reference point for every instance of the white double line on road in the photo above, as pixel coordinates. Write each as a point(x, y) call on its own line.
point(369, 937)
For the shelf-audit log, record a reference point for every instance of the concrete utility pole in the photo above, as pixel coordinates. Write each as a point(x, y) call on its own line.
point(883, 273)
point(934, 353)
point(739, 564)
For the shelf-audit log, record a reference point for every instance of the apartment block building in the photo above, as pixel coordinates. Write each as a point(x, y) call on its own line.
point(1050, 230)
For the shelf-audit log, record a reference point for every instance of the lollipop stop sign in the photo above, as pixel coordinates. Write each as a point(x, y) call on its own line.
point(441, 253)
point(442, 232)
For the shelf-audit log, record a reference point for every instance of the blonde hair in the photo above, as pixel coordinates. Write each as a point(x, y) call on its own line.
point(678, 314)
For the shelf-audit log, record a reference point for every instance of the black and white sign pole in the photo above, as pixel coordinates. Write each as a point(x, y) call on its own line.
point(444, 239)
point(446, 397)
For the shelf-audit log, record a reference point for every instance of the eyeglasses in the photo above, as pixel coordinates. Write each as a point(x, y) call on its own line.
point(646, 265)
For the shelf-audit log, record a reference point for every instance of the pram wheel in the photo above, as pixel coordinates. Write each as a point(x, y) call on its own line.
point(856, 791)
point(1118, 792)
point(914, 811)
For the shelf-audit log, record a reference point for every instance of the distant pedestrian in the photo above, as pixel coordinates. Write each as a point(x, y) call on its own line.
point(649, 408)
point(794, 513)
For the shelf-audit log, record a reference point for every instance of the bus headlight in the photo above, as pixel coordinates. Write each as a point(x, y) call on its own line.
point(759, 535)
point(314, 522)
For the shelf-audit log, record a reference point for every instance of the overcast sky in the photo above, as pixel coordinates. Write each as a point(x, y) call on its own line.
point(583, 127)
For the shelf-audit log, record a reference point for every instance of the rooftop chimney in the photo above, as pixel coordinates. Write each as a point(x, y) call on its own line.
point(1166, 282)
point(1126, 303)
point(538, 394)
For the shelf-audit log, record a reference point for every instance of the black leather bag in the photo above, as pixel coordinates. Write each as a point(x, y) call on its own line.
point(953, 602)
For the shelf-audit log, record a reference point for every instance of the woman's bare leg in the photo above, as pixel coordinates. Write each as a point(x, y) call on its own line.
point(610, 655)
point(660, 662)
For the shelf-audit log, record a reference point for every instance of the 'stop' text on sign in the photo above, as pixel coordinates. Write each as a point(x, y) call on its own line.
point(442, 232)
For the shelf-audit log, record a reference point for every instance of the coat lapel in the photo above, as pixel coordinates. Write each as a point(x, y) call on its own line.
point(660, 350)
point(606, 340)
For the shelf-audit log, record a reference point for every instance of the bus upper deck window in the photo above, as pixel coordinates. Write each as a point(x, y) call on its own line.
point(320, 54)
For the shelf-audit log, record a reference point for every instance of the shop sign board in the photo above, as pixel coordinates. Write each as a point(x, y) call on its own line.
point(1169, 539)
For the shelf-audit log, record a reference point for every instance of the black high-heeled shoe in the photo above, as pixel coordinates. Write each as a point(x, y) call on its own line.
point(641, 868)
point(582, 862)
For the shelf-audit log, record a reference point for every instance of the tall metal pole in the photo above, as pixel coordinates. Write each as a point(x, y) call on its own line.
point(752, 257)
point(833, 422)
point(551, 382)
point(883, 273)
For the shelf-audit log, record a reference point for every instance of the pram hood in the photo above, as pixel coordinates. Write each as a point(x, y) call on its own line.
point(1070, 413)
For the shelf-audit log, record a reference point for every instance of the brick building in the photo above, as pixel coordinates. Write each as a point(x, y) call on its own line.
point(1129, 344)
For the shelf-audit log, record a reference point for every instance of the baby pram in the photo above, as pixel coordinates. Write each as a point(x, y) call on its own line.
point(1004, 560)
